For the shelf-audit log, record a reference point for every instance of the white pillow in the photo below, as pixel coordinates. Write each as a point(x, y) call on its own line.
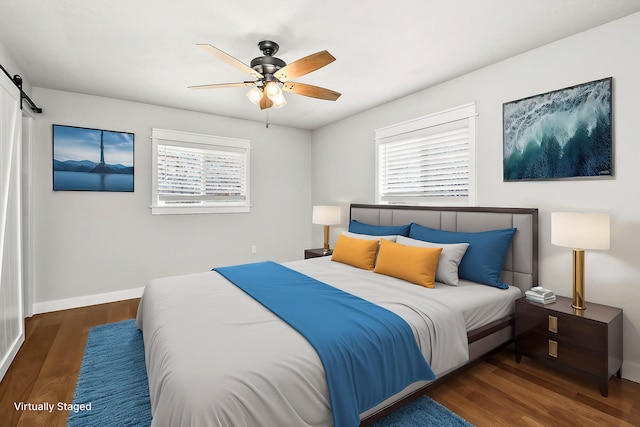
point(369, 236)
point(452, 253)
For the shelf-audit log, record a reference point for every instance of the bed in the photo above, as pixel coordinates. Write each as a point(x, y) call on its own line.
point(215, 356)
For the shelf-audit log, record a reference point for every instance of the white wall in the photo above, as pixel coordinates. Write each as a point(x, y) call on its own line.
point(343, 158)
point(12, 68)
point(89, 243)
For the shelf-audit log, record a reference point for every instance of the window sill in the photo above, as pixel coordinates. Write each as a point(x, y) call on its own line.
point(188, 210)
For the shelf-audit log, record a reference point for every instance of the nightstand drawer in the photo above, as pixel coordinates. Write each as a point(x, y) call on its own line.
point(546, 347)
point(586, 333)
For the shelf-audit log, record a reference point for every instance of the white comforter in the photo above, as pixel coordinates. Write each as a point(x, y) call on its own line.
point(216, 357)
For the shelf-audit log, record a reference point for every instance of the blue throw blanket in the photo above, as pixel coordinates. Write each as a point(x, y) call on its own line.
point(369, 353)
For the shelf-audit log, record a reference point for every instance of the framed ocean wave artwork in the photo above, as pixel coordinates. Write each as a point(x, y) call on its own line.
point(86, 159)
point(563, 134)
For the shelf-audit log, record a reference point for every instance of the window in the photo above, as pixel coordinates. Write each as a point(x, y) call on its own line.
point(428, 160)
point(195, 173)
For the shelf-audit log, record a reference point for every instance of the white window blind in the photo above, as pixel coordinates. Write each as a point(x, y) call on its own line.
point(428, 160)
point(196, 173)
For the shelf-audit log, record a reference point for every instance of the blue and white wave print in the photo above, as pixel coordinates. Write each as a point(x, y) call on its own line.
point(565, 133)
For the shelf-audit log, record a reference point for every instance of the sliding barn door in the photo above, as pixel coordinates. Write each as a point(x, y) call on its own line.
point(11, 306)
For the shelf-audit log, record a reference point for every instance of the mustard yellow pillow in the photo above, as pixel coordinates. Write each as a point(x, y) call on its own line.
point(413, 264)
point(359, 253)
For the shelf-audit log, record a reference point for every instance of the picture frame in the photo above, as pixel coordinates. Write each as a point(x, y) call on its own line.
point(88, 159)
point(562, 134)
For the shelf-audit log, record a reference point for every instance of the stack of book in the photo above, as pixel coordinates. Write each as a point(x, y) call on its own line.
point(540, 295)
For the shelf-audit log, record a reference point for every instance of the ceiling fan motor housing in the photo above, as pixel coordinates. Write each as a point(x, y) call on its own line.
point(267, 64)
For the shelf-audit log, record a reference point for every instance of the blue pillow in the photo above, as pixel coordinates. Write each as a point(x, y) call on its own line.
point(485, 255)
point(379, 230)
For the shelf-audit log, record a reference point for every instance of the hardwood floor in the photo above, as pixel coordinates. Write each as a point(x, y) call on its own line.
point(46, 367)
point(500, 392)
point(494, 392)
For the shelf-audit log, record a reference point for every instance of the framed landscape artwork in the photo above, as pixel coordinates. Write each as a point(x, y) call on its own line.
point(87, 159)
point(565, 133)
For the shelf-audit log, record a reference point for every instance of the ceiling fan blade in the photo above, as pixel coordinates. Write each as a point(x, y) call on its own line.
point(265, 102)
point(304, 66)
point(221, 85)
point(310, 90)
point(230, 60)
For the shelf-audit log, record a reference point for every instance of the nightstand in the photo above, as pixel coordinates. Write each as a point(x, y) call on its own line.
point(315, 253)
point(587, 343)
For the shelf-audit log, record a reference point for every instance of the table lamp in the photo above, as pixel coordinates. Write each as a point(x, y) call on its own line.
point(580, 231)
point(326, 215)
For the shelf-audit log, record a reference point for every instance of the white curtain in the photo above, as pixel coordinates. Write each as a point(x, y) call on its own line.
point(11, 304)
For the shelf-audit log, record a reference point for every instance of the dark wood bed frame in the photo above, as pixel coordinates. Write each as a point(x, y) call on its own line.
point(490, 337)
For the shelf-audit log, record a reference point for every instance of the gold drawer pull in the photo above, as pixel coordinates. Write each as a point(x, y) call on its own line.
point(553, 348)
point(553, 324)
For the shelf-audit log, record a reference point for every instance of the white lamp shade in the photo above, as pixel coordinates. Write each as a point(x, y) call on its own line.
point(326, 215)
point(580, 230)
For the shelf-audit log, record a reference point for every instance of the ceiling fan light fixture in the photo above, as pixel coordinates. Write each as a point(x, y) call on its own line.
point(279, 100)
point(273, 90)
point(255, 95)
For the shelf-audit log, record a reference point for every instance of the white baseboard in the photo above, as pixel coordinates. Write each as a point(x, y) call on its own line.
point(64, 304)
point(631, 371)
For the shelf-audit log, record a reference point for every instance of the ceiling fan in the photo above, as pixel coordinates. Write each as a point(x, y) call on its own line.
point(274, 75)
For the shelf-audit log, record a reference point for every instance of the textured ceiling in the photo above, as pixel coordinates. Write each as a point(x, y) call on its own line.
point(145, 50)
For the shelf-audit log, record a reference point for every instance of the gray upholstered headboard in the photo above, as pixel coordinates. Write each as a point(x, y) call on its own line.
point(521, 263)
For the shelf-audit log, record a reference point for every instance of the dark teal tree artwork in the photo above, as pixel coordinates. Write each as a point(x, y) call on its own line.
point(561, 134)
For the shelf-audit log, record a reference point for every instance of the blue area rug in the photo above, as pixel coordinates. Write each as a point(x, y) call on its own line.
point(422, 412)
point(113, 389)
point(113, 379)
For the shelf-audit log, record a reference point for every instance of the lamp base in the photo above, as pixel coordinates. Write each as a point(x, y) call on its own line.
point(578, 280)
point(326, 249)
